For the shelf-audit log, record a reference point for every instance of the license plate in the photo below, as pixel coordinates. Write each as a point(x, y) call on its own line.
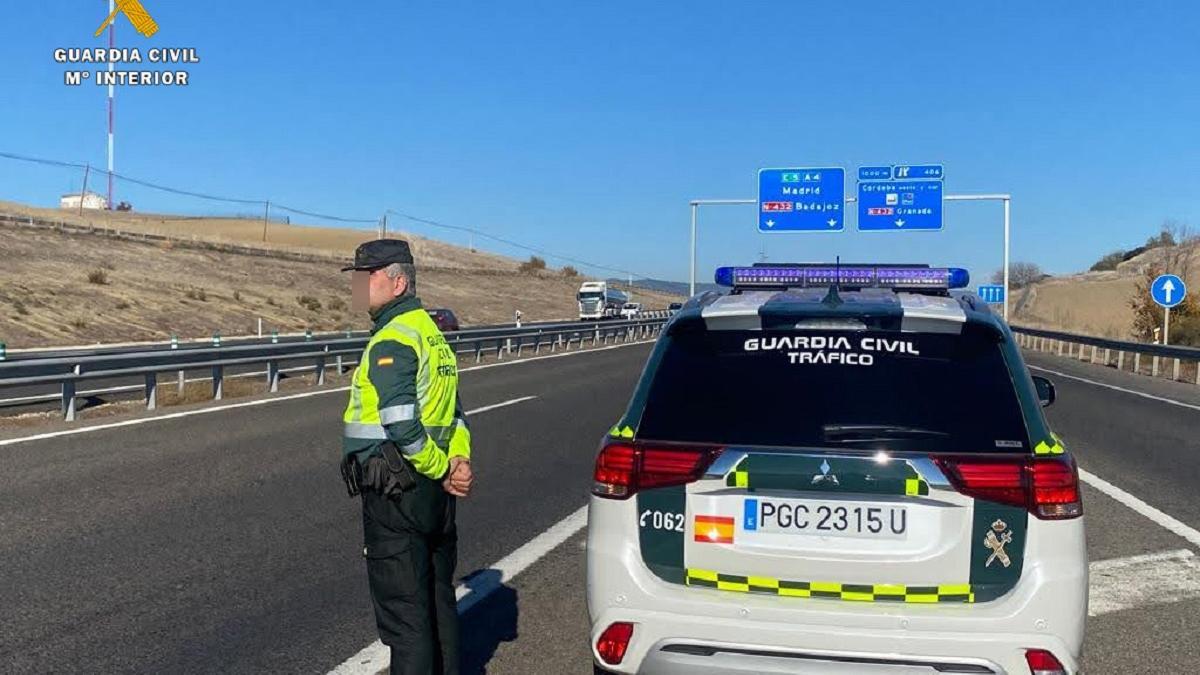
point(824, 518)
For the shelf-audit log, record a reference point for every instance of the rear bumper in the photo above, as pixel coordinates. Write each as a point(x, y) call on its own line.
point(681, 629)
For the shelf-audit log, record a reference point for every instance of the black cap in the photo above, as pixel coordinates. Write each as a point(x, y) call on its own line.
point(380, 253)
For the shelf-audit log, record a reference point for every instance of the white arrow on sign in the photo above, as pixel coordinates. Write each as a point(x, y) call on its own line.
point(1168, 288)
point(832, 222)
point(899, 222)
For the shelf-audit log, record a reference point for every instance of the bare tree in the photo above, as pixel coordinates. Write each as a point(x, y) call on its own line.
point(1019, 274)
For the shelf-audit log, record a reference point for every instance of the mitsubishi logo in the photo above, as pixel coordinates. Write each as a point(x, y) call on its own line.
point(825, 476)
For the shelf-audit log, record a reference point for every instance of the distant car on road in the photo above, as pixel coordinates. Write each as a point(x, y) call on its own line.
point(444, 319)
point(631, 310)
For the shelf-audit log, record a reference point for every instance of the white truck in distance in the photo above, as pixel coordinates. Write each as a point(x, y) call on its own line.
point(598, 301)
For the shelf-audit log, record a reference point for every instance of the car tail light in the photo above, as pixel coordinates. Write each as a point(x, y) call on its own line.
point(1042, 662)
point(1047, 487)
point(623, 468)
point(614, 641)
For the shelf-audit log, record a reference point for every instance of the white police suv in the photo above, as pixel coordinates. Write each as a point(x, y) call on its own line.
point(836, 470)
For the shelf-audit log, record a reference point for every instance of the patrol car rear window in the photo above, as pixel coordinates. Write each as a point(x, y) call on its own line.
point(859, 390)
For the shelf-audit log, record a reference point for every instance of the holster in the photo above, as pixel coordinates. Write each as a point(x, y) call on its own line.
point(386, 472)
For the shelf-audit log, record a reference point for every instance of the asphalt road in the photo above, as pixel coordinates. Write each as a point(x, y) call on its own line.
point(224, 542)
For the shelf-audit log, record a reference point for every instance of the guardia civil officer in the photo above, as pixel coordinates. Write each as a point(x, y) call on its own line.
point(406, 450)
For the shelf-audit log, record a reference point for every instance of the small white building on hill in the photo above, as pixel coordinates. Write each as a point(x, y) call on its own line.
point(91, 200)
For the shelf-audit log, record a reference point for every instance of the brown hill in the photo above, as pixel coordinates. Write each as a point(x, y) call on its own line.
point(75, 286)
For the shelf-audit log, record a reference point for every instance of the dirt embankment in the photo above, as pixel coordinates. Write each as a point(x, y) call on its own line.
point(1097, 303)
point(61, 288)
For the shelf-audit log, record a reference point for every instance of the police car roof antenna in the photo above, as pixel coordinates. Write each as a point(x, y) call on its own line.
point(832, 298)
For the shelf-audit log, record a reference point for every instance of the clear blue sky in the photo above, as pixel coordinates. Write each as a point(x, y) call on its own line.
point(585, 128)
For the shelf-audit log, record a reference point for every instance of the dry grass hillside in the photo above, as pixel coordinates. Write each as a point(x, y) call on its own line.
point(60, 288)
point(1096, 303)
point(332, 241)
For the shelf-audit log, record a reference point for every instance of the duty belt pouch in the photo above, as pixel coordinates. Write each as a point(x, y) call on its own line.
point(399, 468)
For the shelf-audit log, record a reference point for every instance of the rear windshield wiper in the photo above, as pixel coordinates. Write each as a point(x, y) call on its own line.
point(876, 432)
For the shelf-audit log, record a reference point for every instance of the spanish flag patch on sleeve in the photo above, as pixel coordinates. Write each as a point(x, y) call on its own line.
point(385, 361)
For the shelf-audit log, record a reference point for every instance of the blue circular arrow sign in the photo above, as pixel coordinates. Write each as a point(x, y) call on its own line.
point(1168, 290)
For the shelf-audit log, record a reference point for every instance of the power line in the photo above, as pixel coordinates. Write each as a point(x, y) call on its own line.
point(341, 219)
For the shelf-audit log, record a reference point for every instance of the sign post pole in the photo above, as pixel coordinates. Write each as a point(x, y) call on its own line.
point(1166, 325)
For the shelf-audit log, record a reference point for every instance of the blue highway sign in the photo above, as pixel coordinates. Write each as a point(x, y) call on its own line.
point(991, 294)
point(1168, 290)
point(900, 205)
point(802, 200)
point(874, 172)
point(918, 172)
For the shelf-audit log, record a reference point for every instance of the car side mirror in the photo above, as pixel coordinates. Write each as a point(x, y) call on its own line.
point(1045, 390)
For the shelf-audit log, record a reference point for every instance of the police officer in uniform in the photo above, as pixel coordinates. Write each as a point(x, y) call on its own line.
point(407, 452)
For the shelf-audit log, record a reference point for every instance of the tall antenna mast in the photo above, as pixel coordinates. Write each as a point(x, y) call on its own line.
point(112, 28)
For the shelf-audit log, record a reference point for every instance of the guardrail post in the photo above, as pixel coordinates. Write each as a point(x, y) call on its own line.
point(520, 343)
point(68, 399)
point(308, 335)
point(1060, 347)
point(272, 376)
point(537, 343)
point(151, 391)
point(499, 350)
point(1137, 362)
point(1154, 368)
point(321, 369)
point(274, 337)
point(1093, 359)
point(3, 351)
point(217, 339)
point(182, 382)
point(1107, 354)
point(218, 381)
point(478, 351)
point(1175, 372)
point(1120, 360)
point(595, 337)
point(1198, 373)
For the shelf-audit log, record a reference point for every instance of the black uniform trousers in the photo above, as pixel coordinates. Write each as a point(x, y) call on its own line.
point(411, 550)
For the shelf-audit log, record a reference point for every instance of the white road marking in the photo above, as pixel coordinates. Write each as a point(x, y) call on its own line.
point(1114, 387)
point(1141, 580)
point(276, 399)
point(502, 404)
point(375, 657)
point(1169, 522)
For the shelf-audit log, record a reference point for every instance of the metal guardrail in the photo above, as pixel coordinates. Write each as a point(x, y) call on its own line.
point(1110, 352)
point(72, 370)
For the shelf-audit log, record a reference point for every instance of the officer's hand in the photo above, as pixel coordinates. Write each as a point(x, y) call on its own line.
point(459, 477)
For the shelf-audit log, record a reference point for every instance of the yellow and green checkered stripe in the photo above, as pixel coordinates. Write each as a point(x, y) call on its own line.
point(832, 590)
point(1050, 446)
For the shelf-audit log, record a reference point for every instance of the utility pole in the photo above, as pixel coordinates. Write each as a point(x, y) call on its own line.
point(266, 217)
point(83, 193)
point(112, 27)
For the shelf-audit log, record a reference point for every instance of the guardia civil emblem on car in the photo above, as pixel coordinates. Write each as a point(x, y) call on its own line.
point(997, 543)
point(824, 476)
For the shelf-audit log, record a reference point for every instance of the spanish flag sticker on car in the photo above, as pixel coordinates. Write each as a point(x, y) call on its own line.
point(714, 529)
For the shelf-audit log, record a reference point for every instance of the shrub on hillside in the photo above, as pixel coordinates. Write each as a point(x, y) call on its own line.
point(309, 302)
point(534, 264)
point(1108, 262)
point(197, 294)
point(337, 304)
point(569, 271)
point(97, 277)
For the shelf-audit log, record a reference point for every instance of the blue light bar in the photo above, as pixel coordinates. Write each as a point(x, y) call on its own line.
point(849, 276)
